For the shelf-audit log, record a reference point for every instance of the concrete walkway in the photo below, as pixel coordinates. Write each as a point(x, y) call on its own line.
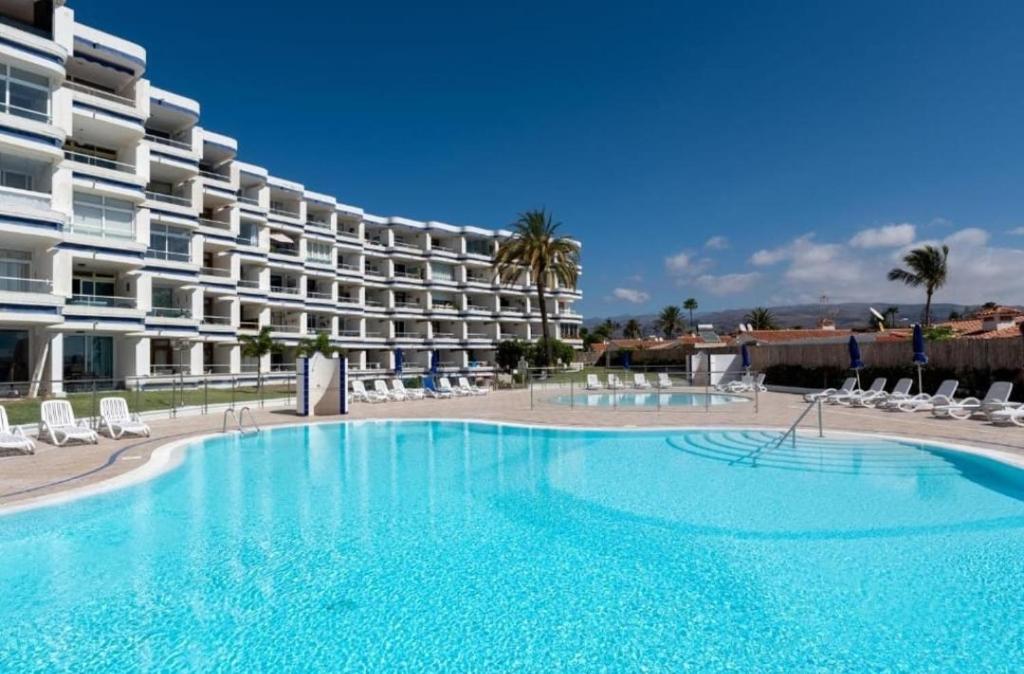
point(57, 469)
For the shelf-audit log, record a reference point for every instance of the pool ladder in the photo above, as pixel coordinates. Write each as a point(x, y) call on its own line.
point(790, 433)
point(238, 419)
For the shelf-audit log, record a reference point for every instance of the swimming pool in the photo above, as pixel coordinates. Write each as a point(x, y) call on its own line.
point(635, 399)
point(455, 546)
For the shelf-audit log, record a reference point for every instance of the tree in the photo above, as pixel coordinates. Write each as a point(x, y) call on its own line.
point(891, 313)
point(259, 346)
point(954, 315)
point(606, 330)
point(926, 266)
point(632, 329)
point(761, 319)
point(536, 247)
point(319, 344)
point(547, 352)
point(690, 304)
point(670, 321)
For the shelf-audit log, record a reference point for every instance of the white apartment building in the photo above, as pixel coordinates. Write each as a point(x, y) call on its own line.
point(133, 242)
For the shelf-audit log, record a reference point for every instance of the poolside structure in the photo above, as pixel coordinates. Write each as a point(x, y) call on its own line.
point(134, 242)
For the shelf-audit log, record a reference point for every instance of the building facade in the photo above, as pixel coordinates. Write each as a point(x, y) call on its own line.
point(134, 242)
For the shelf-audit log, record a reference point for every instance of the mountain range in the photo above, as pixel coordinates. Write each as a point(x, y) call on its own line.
point(845, 315)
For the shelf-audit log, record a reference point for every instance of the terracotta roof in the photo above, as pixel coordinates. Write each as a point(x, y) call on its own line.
point(794, 335)
point(972, 328)
point(997, 311)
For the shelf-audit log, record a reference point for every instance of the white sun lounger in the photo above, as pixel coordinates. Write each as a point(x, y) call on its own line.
point(471, 388)
point(410, 393)
point(360, 393)
point(871, 399)
point(640, 380)
point(844, 398)
point(445, 386)
point(58, 422)
point(119, 421)
point(847, 387)
point(593, 384)
point(1010, 415)
point(735, 385)
point(380, 387)
point(997, 398)
point(664, 381)
point(924, 401)
point(15, 439)
point(614, 382)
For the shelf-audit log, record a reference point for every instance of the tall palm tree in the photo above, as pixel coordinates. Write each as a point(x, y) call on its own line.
point(891, 313)
point(257, 347)
point(670, 321)
point(761, 319)
point(690, 304)
point(926, 266)
point(536, 247)
point(632, 329)
point(319, 344)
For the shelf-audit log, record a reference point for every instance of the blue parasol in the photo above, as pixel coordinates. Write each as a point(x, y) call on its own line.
point(745, 355)
point(855, 362)
point(920, 357)
point(627, 359)
point(398, 361)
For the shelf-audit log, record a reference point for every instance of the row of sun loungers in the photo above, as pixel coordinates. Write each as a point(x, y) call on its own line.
point(58, 424)
point(639, 382)
point(398, 391)
point(995, 406)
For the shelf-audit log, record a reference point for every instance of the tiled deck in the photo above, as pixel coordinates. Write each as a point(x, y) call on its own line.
point(56, 469)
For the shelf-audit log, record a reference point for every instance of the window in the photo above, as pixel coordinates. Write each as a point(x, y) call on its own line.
point(442, 272)
point(24, 94)
point(103, 216)
point(93, 285)
point(14, 356)
point(88, 357)
point(20, 173)
point(318, 252)
point(169, 243)
point(15, 270)
point(478, 247)
point(248, 234)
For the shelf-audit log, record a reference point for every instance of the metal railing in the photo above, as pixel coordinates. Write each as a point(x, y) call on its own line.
point(286, 290)
point(168, 198)
point(169, 255)
point(316, 295)
point(215, 271)
point(20, 284)
point(78, 85)
point(27, 113)
point(251, 201)
point(112, 301)
point(285, 213)
point(216, 320)
point(170, 312)
point(170, 142)
point(213, 175)
point(99, 161)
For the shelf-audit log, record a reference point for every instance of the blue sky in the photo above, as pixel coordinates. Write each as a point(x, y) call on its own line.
point(742, 153)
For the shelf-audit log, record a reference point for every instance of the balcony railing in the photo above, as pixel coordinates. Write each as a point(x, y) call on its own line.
point(284, 327)
point(416, 275)
point(170, 142)
point(253, 241)
point(343, 299)
point(285, 290)
point(215, 271)
point(169, 198)
point(18, 198)
point(19, 284)
point(100, 162)
point(409, 335)
point(442, 249)
point(119, 231)
point(248, 325)
point(322, 224)
point(217, 320)
point(27, 113)
point(408, 305)
point(168, 255)
point(371, 271)
point(405, 245)
point(284, 250)
point(478, 335)
point(374, 304)
point(313, 294)
point(443, 306)
point(112, 301)
point(100, 93)
point(444, 335)
point(478, 279)
point(212, 175)
point(478, 307)
point(354, 332)
point(216, 224)
point(170, 312)
point(285, 213)
point(344, 266)
point(247, 283)
point(252, 201)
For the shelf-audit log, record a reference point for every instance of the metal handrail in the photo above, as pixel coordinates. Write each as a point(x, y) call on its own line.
point(790, 433)
point(252, 417)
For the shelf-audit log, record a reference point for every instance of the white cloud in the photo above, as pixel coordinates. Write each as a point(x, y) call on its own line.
point(1019, 231)
point(728, 284)
point(685, 263)
point(717, 243)
point(972, 236)
point(889, 236)
point(631, 295)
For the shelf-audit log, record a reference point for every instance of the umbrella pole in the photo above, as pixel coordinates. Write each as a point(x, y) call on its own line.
point(920, 386)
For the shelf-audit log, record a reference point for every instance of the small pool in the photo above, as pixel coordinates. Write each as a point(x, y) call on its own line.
point(471, 547)
point(637, 399)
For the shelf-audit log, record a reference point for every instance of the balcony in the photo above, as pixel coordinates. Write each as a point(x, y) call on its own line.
point(353, 268)
point(284, 213)
point(285, 327)
point(215, 271)
point(27, 113)
point(169, 142)
point(170, 312)
point(247, 325)
point(106, 301)
point(217, 320)
point(212, 175)
point(349, 332)
point(169, 198)
point(314, 295)
point(169, 255)
point(104, 230)
point(318, 223)
point(412, 275)
point(15, 199)
point(479, 308)
point(98, 161)
point(409, 305)
point(91, 90)
point(290, 251)
point(285, 290)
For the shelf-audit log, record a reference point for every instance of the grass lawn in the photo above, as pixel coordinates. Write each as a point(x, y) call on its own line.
point(23, 411)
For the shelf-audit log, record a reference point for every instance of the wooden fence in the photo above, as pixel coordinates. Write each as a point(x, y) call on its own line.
point(955, 354)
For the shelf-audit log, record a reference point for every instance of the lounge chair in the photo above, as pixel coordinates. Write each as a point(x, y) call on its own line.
point(997, 398)
point(380, 387)
point(409, 393)
point(844, 398)
point(592, 383)
point(432, 388)
point(445, 386)
point(734, 385)
point(118, 420)
point(871, 399)
point(614, 382)
point(360, 393)
point(924, 402)
point(57, 420)
point(664, 381)
point(640, 380)
point(1009, 415)
point(15, 439)
point(847, 387)
point(472, 388)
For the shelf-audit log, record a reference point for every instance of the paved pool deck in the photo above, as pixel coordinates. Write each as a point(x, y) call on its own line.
point(53, 470)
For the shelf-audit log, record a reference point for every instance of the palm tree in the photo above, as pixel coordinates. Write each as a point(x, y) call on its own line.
point(891, 313)
point(605, 331)
point(670, 321)
point(257, 347)
point(926, 266)
point(761, 319)
point(632, 329)
point(319, 344)
point(690, 304)
point(536, 247)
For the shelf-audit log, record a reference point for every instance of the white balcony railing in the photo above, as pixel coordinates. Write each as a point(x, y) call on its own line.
point(170, 142)
point(11, 197)
point(99, 93)
point(18, 284)
point(99, 162)
point(169, 198)
point(111, 301)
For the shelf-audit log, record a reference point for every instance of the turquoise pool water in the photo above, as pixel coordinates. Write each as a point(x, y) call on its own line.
point(443, 546)
point(633, 399)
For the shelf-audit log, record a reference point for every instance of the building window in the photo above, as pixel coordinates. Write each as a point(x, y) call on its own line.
point(318, 252)
point(103, 216)
point(24, 94)
point(14, 353)
point(169, 243)
point(248, 234)
point(478, 247)
point(94, 289)
point(88, 357)
point(442, 272)
point(15, 270)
